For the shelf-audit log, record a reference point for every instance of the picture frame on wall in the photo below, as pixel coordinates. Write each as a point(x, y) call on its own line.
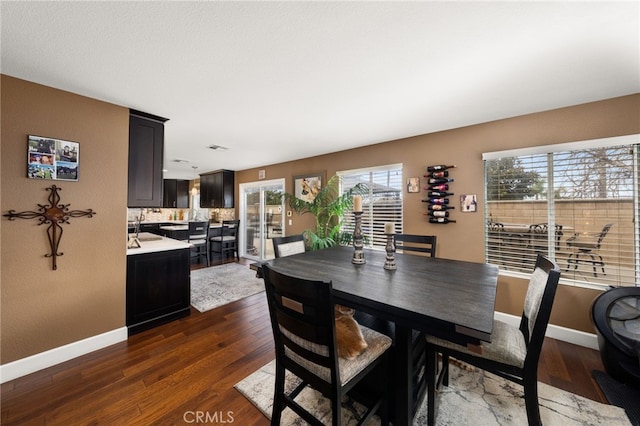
point(52, 159)
point(413, 184)
point(306, 187)
point(468, 203)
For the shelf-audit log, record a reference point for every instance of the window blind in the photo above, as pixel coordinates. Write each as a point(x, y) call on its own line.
point(382, 203)
point(578, 206)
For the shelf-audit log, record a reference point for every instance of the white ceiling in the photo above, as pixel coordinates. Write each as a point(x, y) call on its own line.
point(277, 81)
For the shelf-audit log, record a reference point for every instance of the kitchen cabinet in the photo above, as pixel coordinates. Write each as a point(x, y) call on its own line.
point(176, 194)
point(217, 189)
point(146, 151)
point(158, 286)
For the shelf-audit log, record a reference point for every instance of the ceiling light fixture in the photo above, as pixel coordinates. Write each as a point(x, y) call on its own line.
point(194, 190)
point(217, 147)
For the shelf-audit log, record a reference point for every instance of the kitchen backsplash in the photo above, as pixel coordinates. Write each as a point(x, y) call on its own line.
point(161, 215)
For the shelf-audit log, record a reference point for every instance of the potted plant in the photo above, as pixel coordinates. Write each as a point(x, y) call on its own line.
point(328, 208)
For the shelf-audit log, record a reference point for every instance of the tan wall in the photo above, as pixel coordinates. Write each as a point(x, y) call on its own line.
point(41, 308)
point(464, 147)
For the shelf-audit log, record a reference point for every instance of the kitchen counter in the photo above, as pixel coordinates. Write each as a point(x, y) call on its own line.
point(152, 243)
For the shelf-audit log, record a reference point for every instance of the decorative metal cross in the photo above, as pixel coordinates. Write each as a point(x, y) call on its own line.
point(54, 215)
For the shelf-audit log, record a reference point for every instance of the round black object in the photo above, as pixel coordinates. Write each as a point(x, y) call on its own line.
point(616, 315)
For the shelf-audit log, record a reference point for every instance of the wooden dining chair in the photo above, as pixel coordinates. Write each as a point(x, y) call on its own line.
point(303, 323)
point(513, 352)
point(289, 245)
point(417, 243)
point(198, 239)
point(227, 242)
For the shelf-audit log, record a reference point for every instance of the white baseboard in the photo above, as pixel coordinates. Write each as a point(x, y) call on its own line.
point(569, 335)
point(36, 362)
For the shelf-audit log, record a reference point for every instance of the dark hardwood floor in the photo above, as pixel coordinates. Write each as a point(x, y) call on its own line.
point(171, 373)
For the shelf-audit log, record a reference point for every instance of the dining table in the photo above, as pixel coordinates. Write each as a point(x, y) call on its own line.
point(451, 299)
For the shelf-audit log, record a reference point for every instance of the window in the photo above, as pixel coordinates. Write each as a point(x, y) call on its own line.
point(382, 204)
point(576, 203)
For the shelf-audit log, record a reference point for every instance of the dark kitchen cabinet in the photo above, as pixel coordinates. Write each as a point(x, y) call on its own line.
point(146, 150)
point(158, 288)
point(176, 194)
point(216, 189)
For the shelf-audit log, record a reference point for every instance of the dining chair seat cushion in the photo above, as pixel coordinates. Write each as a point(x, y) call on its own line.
point(224, 238)
point(507, 345)
point(197, 242)
point(377, 344)
point(198, 237)
point(288, 249)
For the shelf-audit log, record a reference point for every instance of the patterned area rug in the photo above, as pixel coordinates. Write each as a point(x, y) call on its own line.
point(218, 285)
point(472, 398)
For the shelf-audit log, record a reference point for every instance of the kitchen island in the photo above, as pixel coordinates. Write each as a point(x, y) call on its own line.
point(158, 282)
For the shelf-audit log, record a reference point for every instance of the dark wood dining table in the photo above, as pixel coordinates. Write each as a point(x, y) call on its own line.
point(451, 299)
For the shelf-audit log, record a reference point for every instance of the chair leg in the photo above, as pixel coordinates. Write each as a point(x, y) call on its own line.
point(531, 401)
point(278, 398)
point(432, 378)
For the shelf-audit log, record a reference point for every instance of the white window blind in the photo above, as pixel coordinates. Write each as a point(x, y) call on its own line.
point(578, 206)
point(382, 203)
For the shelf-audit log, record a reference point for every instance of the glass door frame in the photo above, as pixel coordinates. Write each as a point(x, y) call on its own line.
point(243, 211)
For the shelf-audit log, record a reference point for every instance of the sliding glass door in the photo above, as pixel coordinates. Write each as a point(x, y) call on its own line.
point(261, 217)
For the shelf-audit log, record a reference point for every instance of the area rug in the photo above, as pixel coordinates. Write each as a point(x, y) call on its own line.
point(472, 398)
point(218, 285)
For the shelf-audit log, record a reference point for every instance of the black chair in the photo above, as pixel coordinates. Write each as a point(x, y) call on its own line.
point(289, 245)
point(198, 238)
point(227, 242)
point(513, 352)
point(495, 242)
point(417, 243)
point(538, 237)
point(588, 244)
point(303, 323)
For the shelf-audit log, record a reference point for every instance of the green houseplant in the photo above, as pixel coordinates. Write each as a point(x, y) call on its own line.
point(327, 207)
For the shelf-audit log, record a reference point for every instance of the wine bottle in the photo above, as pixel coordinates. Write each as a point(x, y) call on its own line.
point(438, 200)
point(438, 194)
point(440, 213)
point(437, 181)
point(440, 220)
point(439, 167)
point(441, 187)
point(438, 206)
point(443, 174)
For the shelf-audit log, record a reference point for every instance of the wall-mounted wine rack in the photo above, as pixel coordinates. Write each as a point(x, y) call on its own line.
point(437, 188)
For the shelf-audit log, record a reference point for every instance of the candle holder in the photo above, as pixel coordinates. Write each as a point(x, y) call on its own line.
point(390, 261)
point(358, 253)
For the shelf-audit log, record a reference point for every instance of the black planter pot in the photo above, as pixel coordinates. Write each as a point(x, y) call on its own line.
point(616, 315)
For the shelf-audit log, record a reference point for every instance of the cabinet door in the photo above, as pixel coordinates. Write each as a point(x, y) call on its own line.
point(217, 189)
point(146, 145)
point(182, 194)
point(169, 193)
point(158, 288)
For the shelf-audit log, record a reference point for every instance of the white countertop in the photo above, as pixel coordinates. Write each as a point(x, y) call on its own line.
point(186, 227)
point(151, 243)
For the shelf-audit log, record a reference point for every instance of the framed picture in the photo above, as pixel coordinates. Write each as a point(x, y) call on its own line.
point(413, 184)
point(306, 187)
point(54, 159)
point(468, 203)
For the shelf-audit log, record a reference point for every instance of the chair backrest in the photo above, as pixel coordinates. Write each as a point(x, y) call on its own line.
point(198, 230)
point(537, 306)
point(603, 233)
point(231, 228)
point(417, 243)
point(289, 245)
point(302, 319)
